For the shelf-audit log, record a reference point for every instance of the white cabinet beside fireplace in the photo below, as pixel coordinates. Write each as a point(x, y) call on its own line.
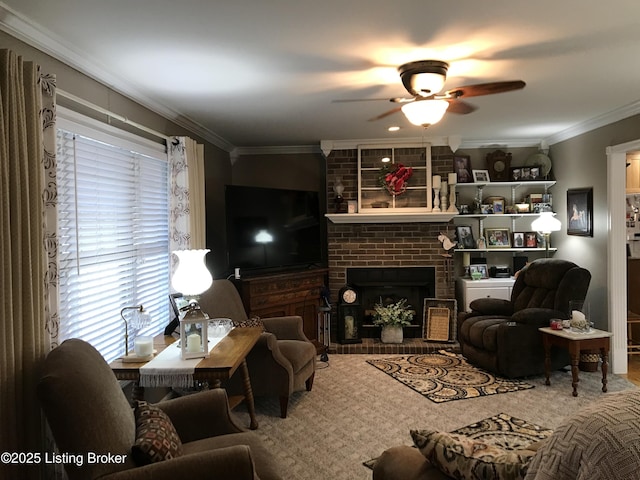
point(468, 290)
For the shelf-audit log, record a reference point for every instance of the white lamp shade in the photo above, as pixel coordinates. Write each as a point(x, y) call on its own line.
point(546, 223)
point(425, 112)
point(191, 276)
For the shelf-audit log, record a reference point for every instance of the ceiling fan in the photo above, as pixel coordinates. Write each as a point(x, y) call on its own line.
point(424, 80)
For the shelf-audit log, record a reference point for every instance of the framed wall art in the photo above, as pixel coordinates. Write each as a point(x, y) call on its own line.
point(580, 212)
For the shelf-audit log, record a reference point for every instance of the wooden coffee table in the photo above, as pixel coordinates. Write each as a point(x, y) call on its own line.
point(223, 361)
point(575, 342)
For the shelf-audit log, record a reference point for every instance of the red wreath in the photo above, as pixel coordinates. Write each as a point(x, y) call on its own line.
point(395, 181)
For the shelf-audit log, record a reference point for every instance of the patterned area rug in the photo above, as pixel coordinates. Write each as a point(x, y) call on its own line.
point(445, 376)
point(509, 433)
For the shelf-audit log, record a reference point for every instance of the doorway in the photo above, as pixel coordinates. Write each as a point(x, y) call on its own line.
point(617, 257)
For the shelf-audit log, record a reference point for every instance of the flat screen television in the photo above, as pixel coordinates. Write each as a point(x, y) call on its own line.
point(272, 229)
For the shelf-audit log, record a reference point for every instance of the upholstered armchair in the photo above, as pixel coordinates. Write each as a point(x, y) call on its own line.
point(502, 336)
point(89, 414)
point(283, 360)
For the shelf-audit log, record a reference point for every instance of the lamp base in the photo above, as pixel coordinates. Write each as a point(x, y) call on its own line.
point(136, 359)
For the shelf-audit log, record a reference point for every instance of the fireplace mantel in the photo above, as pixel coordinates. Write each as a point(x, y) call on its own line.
point(391, 217)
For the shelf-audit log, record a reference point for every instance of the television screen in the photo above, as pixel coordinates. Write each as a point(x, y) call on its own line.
point(273, 228)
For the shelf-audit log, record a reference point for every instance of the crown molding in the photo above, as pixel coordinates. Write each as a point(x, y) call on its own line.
point(47, 42)
point(274, 150)
point(596, 122)
point(328, 145)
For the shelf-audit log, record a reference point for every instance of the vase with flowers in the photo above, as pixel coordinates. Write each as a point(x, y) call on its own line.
point(392, 317)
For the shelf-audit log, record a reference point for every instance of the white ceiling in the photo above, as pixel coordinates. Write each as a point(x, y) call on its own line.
point(266, 73)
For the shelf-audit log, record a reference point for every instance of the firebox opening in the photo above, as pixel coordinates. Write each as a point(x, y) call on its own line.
point(392, 284)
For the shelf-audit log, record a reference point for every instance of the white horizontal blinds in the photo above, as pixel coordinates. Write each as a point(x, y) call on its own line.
point(114, 243)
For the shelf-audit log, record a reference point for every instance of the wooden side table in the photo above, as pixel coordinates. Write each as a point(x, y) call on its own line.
point(574, 342)
point(225, 358)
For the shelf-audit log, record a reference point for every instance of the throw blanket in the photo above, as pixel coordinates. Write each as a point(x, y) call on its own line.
point(168, 369)
point(602, 441)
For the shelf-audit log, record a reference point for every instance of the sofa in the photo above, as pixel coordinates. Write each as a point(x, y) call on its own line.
point(601, 441)
point(501, 336)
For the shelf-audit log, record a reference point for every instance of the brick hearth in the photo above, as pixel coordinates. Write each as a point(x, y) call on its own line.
point(408, 346)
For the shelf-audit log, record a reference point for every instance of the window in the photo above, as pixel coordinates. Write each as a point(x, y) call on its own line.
point(113, 230)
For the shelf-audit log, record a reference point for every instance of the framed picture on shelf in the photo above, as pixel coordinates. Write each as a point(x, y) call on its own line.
point(440, 319)
point(518, 239)
point(535, 173)
point(498, 206)
point(464, 234)
point(516, 174)
point(481, 268)
point(531, 240)
point(462, 167)
point(481, 176)
point(580, 212)
point(497, 237)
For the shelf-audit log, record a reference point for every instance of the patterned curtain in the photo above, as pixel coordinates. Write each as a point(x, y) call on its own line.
point(187, 209)
point(27, 118)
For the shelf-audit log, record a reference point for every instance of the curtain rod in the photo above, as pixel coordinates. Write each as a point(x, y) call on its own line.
point(111, 114)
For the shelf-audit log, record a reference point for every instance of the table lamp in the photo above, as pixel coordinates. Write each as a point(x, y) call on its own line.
point(545, 224)
point(191, 278)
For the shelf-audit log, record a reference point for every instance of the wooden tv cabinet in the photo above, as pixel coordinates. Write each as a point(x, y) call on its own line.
point(288, 293)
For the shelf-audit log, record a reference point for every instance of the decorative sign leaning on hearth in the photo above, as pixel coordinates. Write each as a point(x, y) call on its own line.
point(439, 324)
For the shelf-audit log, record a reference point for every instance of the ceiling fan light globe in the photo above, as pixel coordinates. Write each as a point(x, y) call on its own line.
point(427, 84)
point(425, 112)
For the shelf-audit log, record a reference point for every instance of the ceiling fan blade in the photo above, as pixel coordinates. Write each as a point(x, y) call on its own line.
point(349, 100)
point(485, 89)
point(385, 114)
point(402, 100)
point(460, 107)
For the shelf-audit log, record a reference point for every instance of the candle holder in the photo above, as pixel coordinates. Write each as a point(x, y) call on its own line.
point(443, 196)
point(143, 349)
point(452, 199)
point(436, 200)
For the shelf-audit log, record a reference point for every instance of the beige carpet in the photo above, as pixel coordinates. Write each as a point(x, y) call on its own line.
point(445, 376)
point(355, 412)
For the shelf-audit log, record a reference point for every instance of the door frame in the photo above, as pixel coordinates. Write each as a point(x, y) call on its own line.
point(617, 256)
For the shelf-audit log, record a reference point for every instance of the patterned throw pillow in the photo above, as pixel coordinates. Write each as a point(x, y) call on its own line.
point(254, 321)
point(156, 437)
point(464, 458)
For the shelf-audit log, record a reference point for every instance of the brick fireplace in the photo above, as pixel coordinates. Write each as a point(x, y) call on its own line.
point(353, 245)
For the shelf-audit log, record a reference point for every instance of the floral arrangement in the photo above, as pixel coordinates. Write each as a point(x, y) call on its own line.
point(395, 314)
point(394, 178)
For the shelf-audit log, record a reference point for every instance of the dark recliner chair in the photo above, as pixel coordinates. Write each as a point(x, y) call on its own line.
point(501, 336)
